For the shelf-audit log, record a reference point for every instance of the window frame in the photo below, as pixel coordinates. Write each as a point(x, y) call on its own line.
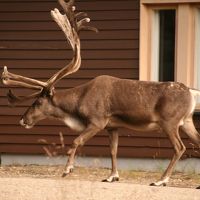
point(184, 51)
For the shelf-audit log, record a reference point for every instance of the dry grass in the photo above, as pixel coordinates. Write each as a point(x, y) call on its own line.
point(97, 174)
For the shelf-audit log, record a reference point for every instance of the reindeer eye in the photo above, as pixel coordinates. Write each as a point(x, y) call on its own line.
point(39, 101)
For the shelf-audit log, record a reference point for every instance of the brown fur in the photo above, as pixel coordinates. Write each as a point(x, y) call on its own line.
point(110, 103)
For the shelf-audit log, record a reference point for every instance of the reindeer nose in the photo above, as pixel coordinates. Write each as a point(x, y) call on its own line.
point(22, 122)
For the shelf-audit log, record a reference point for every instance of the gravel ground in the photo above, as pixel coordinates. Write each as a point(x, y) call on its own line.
point(45, 183)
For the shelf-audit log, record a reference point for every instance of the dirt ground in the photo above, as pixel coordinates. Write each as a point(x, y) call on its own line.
point(44, 182)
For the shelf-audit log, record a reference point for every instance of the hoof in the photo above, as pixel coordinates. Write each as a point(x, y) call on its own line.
point(162, 182)
point(64, 174)
point(67, 172)
point(110, 180)
point(156, 184)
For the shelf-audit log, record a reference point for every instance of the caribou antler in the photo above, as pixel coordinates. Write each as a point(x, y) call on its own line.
point(11, 79)
point(69, 9)
point(17, 80)
point(71, 24)
point(13, 99)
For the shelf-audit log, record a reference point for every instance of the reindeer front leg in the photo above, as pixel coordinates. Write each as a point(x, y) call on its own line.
point(114, 176)
point(88, 133)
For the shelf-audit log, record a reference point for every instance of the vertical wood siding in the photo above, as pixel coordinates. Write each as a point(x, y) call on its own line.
point(31, 44)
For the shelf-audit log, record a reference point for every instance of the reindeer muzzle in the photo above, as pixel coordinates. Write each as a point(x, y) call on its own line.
point(27, 126)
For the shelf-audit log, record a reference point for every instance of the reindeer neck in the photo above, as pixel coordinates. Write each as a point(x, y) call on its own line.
point(66, 100)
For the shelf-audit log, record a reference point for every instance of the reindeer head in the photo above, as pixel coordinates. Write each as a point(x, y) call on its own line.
point(42, 108)
point(71, 24)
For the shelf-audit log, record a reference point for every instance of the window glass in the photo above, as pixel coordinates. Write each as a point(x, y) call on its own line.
point(163, 45)
point(166, 45)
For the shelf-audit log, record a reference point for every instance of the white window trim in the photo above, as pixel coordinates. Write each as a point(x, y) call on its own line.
point(155, 47)
point(197, 49)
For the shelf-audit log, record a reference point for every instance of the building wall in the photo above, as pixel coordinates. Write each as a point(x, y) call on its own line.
point(31, 44)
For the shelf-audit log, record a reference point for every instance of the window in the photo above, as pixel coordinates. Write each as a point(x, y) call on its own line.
point(163, 45)
point(170, 41)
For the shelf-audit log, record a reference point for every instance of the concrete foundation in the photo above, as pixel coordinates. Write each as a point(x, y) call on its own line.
point(190, 165)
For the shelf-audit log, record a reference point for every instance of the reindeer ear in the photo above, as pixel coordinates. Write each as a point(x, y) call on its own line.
point(52, 91)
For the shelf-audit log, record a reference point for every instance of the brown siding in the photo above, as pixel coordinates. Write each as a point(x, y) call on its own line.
point(31, 44)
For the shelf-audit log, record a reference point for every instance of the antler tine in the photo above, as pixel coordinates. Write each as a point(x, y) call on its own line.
point(17, 80)
point(67, 6)
point(20, 84)
point(69, 9)
point(11, 79)
point(80, 14)
point(81, 25)
point(82, 21)
point(13, 99)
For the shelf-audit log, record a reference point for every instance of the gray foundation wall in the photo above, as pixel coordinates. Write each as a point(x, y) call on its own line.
point(190, 165)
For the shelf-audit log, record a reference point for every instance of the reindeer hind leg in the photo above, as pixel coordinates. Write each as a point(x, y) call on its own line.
point(189, 128)
point(179, 149)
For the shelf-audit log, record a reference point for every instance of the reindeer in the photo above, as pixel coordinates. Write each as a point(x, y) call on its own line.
point(106, 102)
